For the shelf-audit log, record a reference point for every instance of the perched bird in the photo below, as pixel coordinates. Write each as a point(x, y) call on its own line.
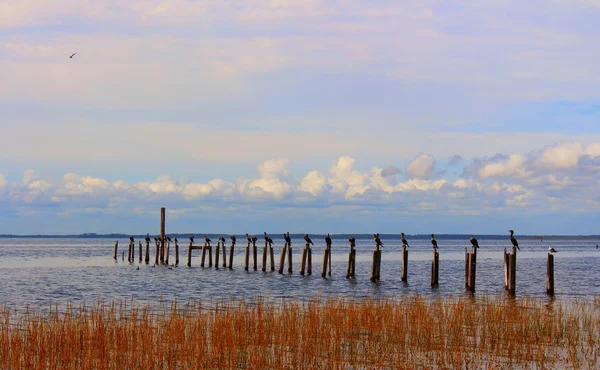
point(551, 250)
point(147, 238)
point(248, 238)
point(433, 242)
point(233, 238)
point(131, 238)
point(352, 241)
point(222, 240)
point(156, 240)
point(287, 238)
point(307, 239)
point(254, 238)
point(207, 240)
point(513, 240)
point(474, 242)
point(328, 240)
point(404, 242)
point(192, 238)
point(175, 240)
point(268, 239)
point(378, 242)
point(72, 55)
point(169, 238)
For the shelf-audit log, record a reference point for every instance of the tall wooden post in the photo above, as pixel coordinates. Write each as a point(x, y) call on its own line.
point(550, 275)
point(435, 268)
point(264, 258)
point(189, 263)
point(224, 253)
point(217, 251)
point(176, 253)
point(231, 254)
point(289, 250)
point(376, 266)
point(254, 255)
point(116, 247)
point(506, 269)
point(140, 249)
point(157, 257)
point(404, 276)
point(167, 252)
point(326, 261)
point(467, 264)
point(247, 259)
point(473, 269)
point(513, 272)
point(204, 249)
point(271, 257)
point(147, 259)
point(129, 248)
point(351, 259)
point(162, 234)
point(282, 260)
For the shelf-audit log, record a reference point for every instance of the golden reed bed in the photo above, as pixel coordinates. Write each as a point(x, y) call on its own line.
point(407, 333)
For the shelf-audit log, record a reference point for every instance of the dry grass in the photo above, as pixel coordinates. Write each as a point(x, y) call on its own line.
point(449, 333)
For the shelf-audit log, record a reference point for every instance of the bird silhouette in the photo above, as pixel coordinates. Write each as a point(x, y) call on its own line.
point(328, 240)
point(72, 55)
point(254, 238)
point(175, 240)
point(513, 240)
point(207, 240)
point(474, 242)
point(131, 238)
point(352, 241)
point(378, 242)
point(404, 242)
point(147, 238)
point(287, 238)
point(551, 250)
point(433, 242)
point(233, 238)
point(248, 238)
point(222, 240)
point(169, 239)
point(192, 239)
point(307, 239)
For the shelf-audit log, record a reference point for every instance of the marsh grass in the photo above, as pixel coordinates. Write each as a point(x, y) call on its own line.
point(412, 332)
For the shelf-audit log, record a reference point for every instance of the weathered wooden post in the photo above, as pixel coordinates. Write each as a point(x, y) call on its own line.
point(550, 275)
point(123, 256)
point(162, 234)
point(272, 257)
point(264, 258)
point(435, 268)
point(167, 251)
point(254, 253)
point(404, 275)
point(289, 251)
point(326, 257)
point(116, 247)
point(506, 269)
point(467, 263)
point(232, 237)
point(206, 249)
point(306, 260)
point(473, 270)
point(176, 252)
point(351, 259)
point(376, 266)
point(147, 259)
point(140, 249)
point(224, 252)
point(282, 259)
point(217, 251)
point(130, 250)
point(157, 256)
point(513, 272)
point(190, 248)
point(247, 259)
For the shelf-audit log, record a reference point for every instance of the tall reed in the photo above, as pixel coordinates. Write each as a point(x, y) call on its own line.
point(412, 332)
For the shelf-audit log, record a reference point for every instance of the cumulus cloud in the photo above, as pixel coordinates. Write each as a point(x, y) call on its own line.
point(421, 167)
point(455, 159)
point(390, 171)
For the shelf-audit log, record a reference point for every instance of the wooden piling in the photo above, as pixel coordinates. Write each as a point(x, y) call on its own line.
point(176, 253)
point(467, 264)
point(254, 255)
point(162, 234)
point(129, 248)
point(147, 259)
point(247, 259)
point(326, 261)
point(189, 263)
point(123, 256)
point(224, 253)
point(116, 247)
point(506, 264)
point(157, 256)
point(272, 257)
point(282, 260)
point(404, 275)
point(550, 275)
point(167, 253)
point(217, 252)
point(231, 254)
point(376, 266)
point(140, 249)
point(264, 258)
point(435, 269)
point(513, 272)
point(289, 250)
point(473, 270)
point(351, 260)
point(204, 250)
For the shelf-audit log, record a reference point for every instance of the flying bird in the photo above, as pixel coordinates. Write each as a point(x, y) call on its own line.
point(474, 242)
point(513, 240)
point(551, 250)
point(404, 242)
point(328, 240)
point(433, 242)
point(378, 242)
point(72, 55)
point(307, 239)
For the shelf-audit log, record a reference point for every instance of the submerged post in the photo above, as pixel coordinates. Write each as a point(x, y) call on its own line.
point(404, 276)
point(376, 266)
point(224, 253)
point(162, 234)
point(326, 259)
point(435, 268)
point(264, 257)
point(289, 250)
point(217, 251)
point(129, 251)
point(116, 247)
point(247, 259)
point(550, 275)
point(272, 257)
point(282, 259)
point(232, 237)
point(167, 252)
point(157, 256)
point(147, 259)
point(351, 259)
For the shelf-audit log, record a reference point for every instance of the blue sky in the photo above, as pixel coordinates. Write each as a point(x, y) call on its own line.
point(301, 115)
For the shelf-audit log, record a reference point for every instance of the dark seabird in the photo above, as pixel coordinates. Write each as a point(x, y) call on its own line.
point(233, 239)
point(287, 238)
point(147, 238)
point(328, 240)
point(72, 55)
point(433, 242)
point(192, 238)
point(207, 240)
point(378, 242)
point(169, 238)
point(131, 239)
point(404, 242)
point(307, 239)
point(513, 240)
point(254, 238)
point(248, 237)
point(175, 240)
point(474, 242)
point(551, 250)
point(156, 240)
point(352, 241)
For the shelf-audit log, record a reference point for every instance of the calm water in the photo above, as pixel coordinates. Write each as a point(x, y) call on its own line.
point(54, 271)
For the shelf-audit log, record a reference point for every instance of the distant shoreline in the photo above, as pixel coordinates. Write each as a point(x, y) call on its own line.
point(296, 236)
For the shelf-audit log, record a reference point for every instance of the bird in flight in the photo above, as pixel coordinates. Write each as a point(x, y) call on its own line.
point(72, 55)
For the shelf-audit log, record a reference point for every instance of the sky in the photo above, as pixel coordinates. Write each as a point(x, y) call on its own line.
point(301, 115)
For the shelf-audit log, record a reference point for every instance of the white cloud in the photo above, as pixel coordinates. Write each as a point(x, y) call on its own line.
point(421, 167)
point(507, 167)
point(561, 156)
point(2, 180)
point(314, 183)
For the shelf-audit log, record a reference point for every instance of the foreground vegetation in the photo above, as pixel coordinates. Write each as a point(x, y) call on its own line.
point(413, 332)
